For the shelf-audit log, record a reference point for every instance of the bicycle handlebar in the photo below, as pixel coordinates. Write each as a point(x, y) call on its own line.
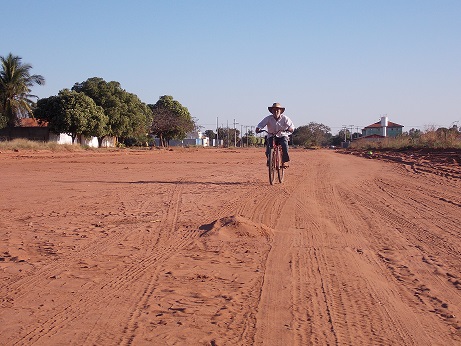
point(273, 134)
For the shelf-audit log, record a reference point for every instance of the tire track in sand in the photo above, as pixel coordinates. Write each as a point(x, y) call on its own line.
point(313, 289)
point(171, 240)
point(141, 270)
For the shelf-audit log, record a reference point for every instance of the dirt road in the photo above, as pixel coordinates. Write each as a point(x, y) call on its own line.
point(194, 247)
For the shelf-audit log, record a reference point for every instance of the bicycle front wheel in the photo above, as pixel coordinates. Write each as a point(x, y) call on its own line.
point(280, 170)
point(271, 166)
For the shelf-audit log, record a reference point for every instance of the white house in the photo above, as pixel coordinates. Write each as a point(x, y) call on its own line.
point(381, 129)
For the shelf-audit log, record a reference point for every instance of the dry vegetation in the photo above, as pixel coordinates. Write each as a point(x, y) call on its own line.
point(430, 139)
point(24, 144)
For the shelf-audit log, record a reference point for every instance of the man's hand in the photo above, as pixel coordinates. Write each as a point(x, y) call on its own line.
point(258, 130)
point(290, 129)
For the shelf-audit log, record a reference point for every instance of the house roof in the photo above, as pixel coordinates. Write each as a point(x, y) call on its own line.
point(378, 125)
point(31, 122)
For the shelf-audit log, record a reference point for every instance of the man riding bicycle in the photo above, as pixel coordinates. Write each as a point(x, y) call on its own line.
point(280, 126)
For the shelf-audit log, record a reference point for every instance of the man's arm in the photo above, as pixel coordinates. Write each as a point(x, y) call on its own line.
point(261, 124)
point(290, 126)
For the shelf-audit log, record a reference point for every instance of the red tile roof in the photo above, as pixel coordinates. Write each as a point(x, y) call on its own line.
point(31, 122)
point(378, 125)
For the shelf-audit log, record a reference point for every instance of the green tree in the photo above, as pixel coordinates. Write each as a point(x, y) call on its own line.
point(414, 133)
point(171, 120)
point(337, 139)
point(210, 134)
point(72, 113)
point(15, 87)
point(228, 135)
point(356, 135)
point(128, 117)
point(345, 135)
point(250, 138)
point(313, 134)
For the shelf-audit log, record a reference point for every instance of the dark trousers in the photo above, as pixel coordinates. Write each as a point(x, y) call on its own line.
point(283, 141)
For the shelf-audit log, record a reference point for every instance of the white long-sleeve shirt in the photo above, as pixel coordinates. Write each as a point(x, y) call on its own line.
point(276, 126)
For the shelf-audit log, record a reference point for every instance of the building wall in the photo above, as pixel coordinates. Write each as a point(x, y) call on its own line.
point(31, 133)
point(91, 142)
point(43, 134)
point(60, 138)
point(394, 131)
point(200, 142)
point(390, 132)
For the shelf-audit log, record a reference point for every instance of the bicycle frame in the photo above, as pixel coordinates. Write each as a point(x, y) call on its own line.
point(275, 160)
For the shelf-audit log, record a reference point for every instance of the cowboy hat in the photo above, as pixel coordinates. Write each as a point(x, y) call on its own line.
point(276, 105)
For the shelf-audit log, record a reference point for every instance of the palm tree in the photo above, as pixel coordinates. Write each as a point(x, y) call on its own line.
point(15, 87)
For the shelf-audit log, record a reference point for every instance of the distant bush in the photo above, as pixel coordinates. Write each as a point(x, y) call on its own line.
point(440, 138)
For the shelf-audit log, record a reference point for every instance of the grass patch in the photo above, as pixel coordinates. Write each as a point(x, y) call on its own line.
point(24, 144)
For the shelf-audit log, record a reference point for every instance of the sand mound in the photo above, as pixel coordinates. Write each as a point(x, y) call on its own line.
point(234, 228)
point(211, 288)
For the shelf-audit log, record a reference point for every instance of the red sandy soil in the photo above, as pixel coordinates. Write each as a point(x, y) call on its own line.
point(194, 247)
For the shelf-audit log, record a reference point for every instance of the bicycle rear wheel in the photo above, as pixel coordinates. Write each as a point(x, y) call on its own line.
point(280, 169)
point(271, 166)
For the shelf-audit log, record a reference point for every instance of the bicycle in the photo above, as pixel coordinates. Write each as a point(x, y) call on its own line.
point(274, 160)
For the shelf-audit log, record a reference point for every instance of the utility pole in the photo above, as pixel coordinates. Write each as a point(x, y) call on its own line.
point(241, 135)
point(235, 134)
point(246, 129)
point(217, 132)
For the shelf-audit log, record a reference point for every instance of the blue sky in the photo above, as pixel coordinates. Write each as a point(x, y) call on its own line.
point(332, 62)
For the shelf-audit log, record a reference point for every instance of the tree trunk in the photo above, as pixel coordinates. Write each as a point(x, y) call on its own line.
point(100, 139)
